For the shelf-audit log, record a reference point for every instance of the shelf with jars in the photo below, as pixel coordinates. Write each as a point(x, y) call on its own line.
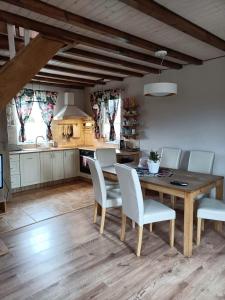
point(130, 123)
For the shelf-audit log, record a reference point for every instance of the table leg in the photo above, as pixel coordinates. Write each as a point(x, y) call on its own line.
point(188, 224)
point(219, 196)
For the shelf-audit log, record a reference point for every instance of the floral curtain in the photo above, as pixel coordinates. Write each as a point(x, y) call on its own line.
point(96, 109)
point(24, 104)
point(47, 101)
point(110, 99)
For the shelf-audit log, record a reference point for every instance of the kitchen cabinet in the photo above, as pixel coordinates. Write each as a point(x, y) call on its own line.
point(70, 169)
point(30, 169)
point(15, 171)
point(57, 165)
point(46, 166)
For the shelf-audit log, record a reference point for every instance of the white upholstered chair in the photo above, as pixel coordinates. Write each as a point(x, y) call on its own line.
point(104, 199)
point(209, 209)
point(170, 158)
point(201, 162)
point(139, 210)
point(107, 157)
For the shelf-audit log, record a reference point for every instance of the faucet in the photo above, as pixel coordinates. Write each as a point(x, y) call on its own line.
point(39, 136)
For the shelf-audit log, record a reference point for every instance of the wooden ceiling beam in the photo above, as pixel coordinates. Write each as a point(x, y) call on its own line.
point(91, 65)
point(71, 37)
point(67, 86)
point(69, 78)
point(108, 59)
point(170, 18)
point(16, 73)
point(83, 73)
point(101, 76)
point(4, 44)
point(76, 20)
point(60, 81)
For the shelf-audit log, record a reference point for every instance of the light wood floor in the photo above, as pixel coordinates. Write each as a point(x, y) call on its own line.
point(66, 258)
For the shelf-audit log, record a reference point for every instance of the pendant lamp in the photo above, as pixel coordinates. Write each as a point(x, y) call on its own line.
point(160, 89)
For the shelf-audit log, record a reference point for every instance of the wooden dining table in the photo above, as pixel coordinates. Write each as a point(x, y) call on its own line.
point(198, 183)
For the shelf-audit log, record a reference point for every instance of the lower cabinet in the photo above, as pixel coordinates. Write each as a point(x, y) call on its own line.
point(69, 163)
point(34, 168)
point(57, 165)
point(46, 166)
point(30, 169)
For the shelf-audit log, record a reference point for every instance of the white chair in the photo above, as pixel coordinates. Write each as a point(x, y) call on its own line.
point(139, 210)
point(201, 162)
point(107, 157)
point(209, 209)
point(106, 199)
point(170, 158)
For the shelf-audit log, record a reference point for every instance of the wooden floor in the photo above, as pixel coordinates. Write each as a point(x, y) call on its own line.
point(66, 258)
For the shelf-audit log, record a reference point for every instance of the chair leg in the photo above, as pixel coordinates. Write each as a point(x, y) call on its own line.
point(95, 212)
point(123, 227)
point(150, 227)
point(203, 225)
point(172, 230)
point(139, 243)
point(161, 197)
point(199, 228)
point(102, 220)
point(173, 201)
point(133, 224)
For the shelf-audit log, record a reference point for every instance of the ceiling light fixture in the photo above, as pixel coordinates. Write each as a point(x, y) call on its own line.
point(160, 89)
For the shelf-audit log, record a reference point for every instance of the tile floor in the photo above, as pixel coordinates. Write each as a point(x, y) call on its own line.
point(33, 206)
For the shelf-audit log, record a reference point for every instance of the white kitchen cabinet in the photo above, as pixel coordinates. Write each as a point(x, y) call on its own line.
point(57, 165)
point(15, 171)
point(46, 166)
point(30, 169)
point(70, 169)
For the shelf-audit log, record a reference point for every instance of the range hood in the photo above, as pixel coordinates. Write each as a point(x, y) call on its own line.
point(70, 111)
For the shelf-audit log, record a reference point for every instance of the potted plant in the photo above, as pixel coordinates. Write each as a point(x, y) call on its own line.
point(154, 162)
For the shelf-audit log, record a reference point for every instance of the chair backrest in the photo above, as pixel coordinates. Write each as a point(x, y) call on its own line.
point(98, 181)
point(170, 158)
point(106, 156)
point(201, 161)
point(132, 198)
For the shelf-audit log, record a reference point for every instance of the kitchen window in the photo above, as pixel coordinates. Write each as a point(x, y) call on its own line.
point(105, 125)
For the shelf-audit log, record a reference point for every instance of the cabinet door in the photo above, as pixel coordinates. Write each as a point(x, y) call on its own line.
point(69, 164)
point(30, 169)
point(46, 166)
point(57, 165)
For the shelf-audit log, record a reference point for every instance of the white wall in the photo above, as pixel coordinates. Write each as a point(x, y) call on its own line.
point(194, 119)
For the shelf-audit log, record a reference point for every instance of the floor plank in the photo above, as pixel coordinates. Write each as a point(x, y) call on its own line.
point(66, 258)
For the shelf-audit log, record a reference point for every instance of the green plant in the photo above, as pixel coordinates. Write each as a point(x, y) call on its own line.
point(154, 156)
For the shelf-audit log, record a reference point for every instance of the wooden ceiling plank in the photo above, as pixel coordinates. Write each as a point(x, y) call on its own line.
point(108, 59)
point(60, 81)
point(74, 19)
point(78, 62)
point(16, 73)
point(57, 84)
point(170, 18)
point(84, 73)
point(70, 37)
